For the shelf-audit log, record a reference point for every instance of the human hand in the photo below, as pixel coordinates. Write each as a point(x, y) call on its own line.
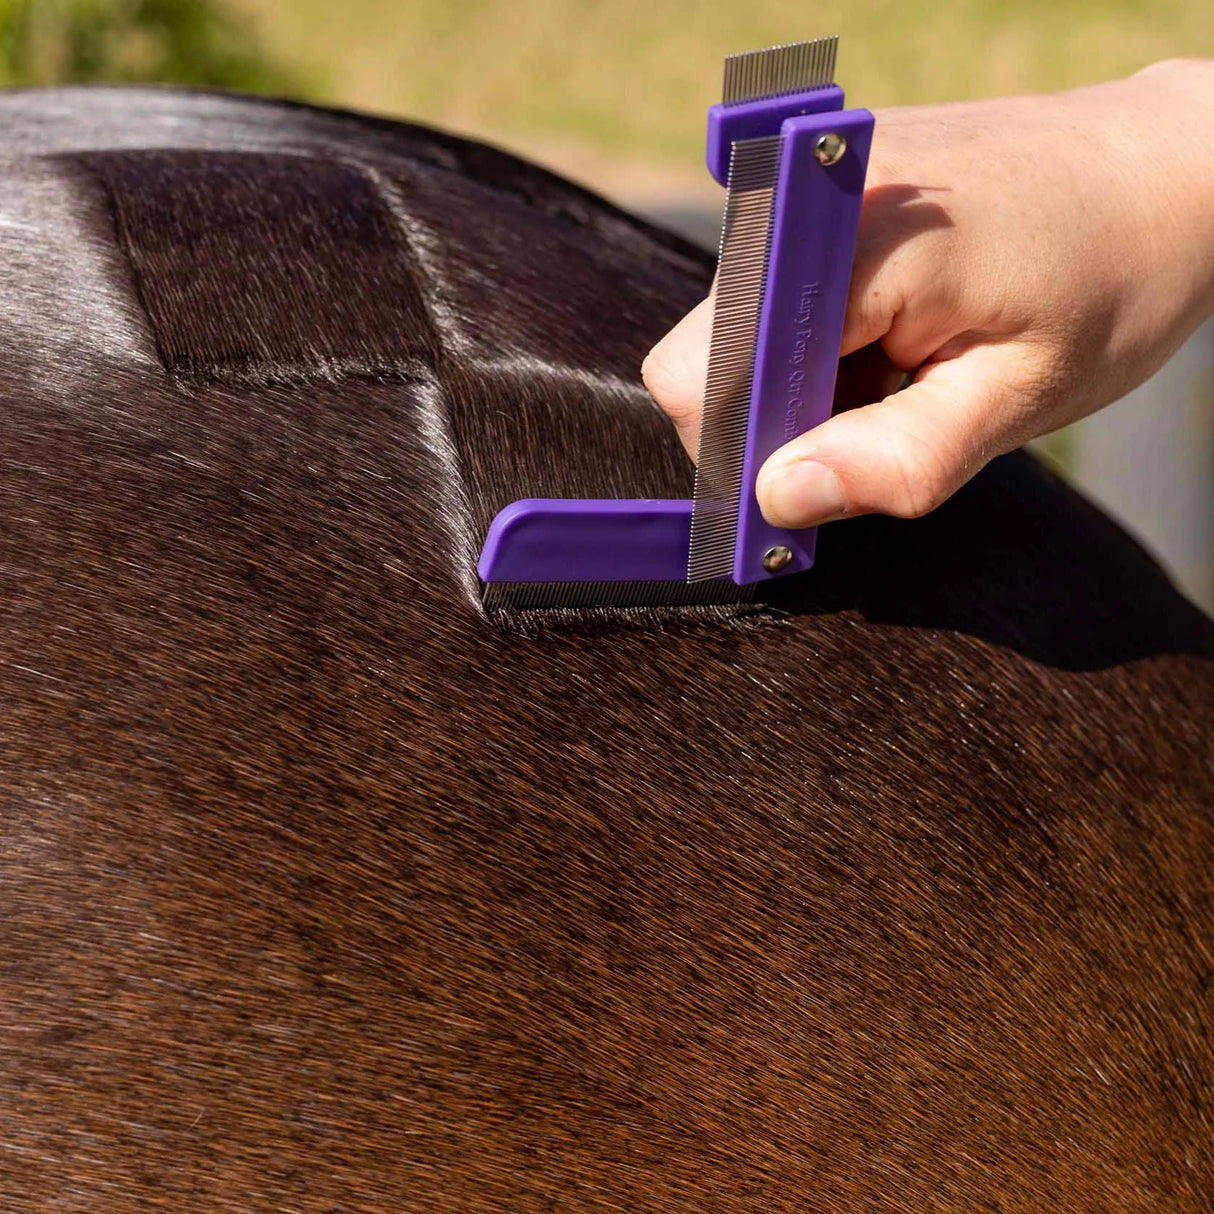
point(1025, 261)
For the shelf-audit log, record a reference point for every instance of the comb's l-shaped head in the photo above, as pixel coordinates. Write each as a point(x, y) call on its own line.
point(793, 162)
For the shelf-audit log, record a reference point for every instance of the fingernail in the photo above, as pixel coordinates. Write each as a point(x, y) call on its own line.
point(800, 494)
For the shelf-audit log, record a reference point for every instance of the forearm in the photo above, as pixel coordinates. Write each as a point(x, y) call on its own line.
point(1177, 142)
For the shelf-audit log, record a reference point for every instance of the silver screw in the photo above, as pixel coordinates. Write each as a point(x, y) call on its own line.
point(777, 558)
point(829, 148)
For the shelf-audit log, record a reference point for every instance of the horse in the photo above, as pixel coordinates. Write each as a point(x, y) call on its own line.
point(323, 888)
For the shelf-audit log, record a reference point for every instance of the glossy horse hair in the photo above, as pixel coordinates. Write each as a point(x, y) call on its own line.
point(320, 890)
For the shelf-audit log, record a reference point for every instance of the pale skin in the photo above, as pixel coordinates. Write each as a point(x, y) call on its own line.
point(1021, 263)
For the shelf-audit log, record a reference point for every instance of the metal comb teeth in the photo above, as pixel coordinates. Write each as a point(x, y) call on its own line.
point(776, 70)
point(521, 595)
point(745, 237)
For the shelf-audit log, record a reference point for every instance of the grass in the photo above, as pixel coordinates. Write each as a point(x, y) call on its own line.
point(615, 90)
point(612, 91)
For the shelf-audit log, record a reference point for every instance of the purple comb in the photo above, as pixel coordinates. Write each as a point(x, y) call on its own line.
point(793, 161)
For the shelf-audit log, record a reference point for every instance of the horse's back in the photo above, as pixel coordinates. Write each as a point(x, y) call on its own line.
point(322, 890)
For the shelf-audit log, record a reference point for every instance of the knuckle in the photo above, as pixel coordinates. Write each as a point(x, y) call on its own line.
point(668, 387)
point(655, 374)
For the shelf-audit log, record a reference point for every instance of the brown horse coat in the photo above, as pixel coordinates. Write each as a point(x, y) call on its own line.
point(321, 891)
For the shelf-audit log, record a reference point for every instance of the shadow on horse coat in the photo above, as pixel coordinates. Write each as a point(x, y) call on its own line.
point(321, 891)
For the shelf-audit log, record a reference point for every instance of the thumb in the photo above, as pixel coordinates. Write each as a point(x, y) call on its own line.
point(909, 452)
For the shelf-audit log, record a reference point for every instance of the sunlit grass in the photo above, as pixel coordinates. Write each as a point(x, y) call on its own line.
point(625, 82)
point(609, 90)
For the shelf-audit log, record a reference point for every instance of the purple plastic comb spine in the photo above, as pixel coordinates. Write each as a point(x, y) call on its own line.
point(588, 540)
point(782, 383)
point(559, 552)
point(730, 124)
point(816, 217)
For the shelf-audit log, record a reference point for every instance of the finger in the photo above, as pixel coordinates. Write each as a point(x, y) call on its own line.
point(904, 239)
point(908, 453)
point(676, 369)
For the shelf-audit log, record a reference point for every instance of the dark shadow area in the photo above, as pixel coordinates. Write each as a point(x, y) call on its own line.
point(1016, 558)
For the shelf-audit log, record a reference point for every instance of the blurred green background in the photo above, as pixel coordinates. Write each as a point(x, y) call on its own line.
point(613, 92)
point(183, 41)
